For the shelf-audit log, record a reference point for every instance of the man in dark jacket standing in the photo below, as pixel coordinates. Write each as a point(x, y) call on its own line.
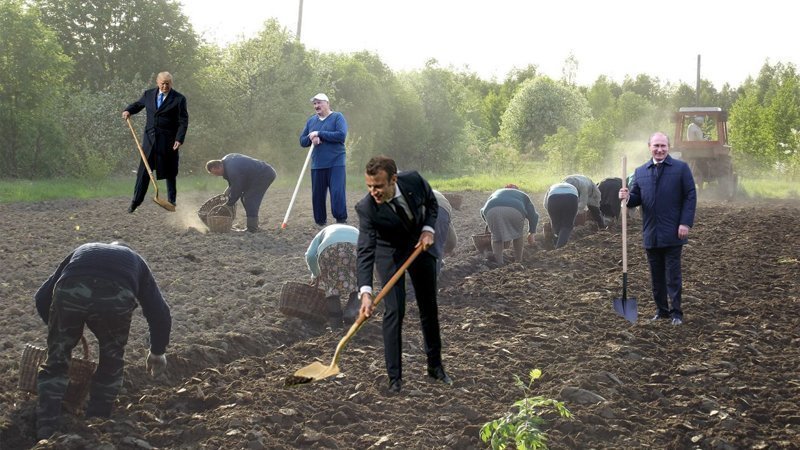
point(164, 133)
point(664, 187)
point(396, 216)
point(97, 285)
point(248, 179)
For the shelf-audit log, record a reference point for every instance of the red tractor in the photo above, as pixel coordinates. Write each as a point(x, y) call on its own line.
point(701, 139)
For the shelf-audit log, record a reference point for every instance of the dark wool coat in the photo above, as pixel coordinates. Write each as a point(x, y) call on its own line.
point(164, 126)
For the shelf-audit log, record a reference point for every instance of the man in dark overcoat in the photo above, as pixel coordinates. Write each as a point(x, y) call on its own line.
point(164, 133)
point(665, 189)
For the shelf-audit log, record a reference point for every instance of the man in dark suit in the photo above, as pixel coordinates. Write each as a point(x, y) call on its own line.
point(397, 215)
point(664, 187)
point(164, 133)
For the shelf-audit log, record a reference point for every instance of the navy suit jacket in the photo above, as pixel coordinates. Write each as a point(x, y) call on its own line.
point(668, 200)
point(164, 126)
point(383, 234)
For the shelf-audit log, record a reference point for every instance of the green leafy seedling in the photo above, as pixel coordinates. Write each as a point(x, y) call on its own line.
point(523, 427)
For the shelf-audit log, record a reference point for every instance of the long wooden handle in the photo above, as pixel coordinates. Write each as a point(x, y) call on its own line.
point(624, 212)
point(297, 187)
point(141, 153)
point(384, 290)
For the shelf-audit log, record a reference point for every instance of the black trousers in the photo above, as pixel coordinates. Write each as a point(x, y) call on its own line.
point(562, 209)
point(665, 274)
point(423, 278)
point(143, 182)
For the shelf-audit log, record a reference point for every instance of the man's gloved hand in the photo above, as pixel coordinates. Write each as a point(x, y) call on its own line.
point(155, 364)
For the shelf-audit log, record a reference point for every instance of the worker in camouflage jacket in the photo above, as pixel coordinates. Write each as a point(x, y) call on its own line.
point(98, 286)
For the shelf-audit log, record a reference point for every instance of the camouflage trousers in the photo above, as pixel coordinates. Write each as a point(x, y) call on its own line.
point(106, 309)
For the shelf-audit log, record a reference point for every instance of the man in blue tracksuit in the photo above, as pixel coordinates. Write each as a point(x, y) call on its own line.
point(664, 187)
point(248, 179)
point(327, 131)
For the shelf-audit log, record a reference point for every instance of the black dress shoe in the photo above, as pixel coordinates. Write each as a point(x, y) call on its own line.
point(440, 375)
point(395, 385)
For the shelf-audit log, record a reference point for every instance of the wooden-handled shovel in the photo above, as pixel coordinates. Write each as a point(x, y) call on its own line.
point(161, 202)
point(625, 307)
point(317, 371)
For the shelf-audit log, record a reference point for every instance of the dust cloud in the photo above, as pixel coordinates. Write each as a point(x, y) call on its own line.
point(186, 217)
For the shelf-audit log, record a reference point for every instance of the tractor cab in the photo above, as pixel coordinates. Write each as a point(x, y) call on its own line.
point(701, 140)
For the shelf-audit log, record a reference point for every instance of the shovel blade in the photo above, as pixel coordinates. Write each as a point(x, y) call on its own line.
point(317, 371)
point(627, 308)
point(164, 204)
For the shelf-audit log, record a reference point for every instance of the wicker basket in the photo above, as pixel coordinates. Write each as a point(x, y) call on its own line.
point(483, 242)
point(80, 374)
point(303, 301)
point(455, 200)
point(220, 219)
point(212, 203)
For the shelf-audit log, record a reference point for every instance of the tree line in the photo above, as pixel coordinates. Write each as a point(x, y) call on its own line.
point(69, 67)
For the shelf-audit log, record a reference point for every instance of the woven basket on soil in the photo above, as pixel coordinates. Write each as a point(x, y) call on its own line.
point(483, 242)
point(455, 200)
point(220, 219)
point(303, 301)
point(80, 374)
point(212, 203)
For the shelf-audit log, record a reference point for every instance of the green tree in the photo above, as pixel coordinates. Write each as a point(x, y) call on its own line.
point(122, 39)
point(559, 149)
point(645, 86)
point(764, 119)
point(538, 109)
point(595, 144)
point(267, 82)
point(634, 116)
point(32, 73)
point(441, 94)
point(104, 145)
point(410, 129)
point(750, 138)
point(496, 100)
point(362, 86)
point(602, 96)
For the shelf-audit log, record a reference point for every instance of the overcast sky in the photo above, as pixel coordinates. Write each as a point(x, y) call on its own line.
point(607, 37)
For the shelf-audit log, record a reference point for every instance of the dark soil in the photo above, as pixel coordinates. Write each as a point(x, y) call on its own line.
point(728, 378)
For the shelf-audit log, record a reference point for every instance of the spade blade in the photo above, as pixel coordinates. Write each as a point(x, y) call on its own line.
point(627, 308)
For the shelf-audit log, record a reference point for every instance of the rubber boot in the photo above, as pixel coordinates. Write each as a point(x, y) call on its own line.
point(252, 224)
point(334, 305)
point(352, 309)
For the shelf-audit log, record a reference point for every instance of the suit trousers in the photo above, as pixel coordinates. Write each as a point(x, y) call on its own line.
point(665, 274)
point(143, 182)
point(423, 278)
